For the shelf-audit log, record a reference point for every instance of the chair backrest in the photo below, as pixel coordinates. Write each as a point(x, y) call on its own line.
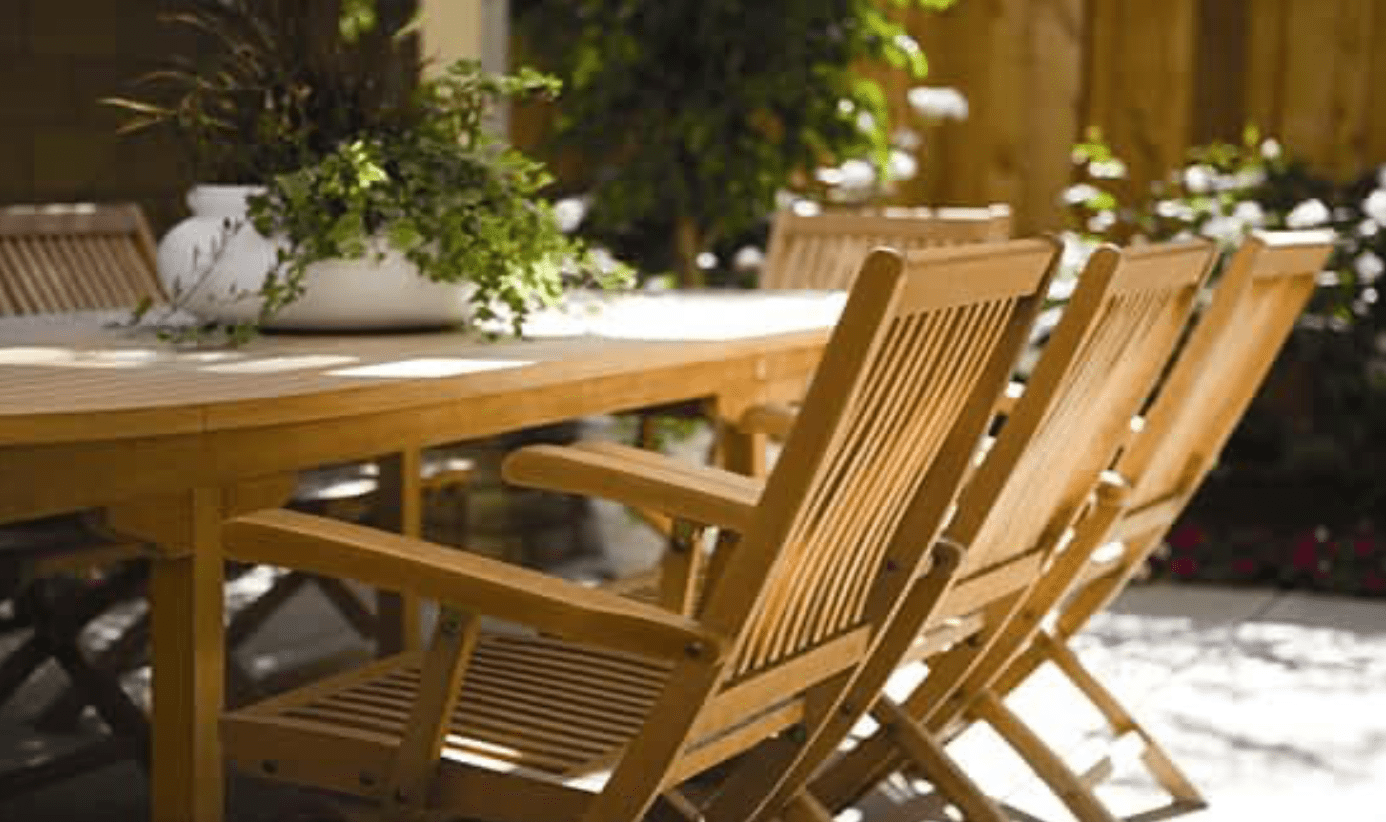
point(1266, 285)
point(75, 257)
point(824, 251)
point(899, 401)
point(1108, 350)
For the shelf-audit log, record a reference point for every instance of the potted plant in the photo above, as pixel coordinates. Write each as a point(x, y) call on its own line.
point(349, 192)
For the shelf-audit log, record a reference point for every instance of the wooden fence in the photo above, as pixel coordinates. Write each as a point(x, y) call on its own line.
point(1157, 76)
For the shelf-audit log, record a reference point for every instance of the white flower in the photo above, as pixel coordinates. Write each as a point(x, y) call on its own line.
point(706, 260)
point(1112, 169)
point(1222, 228)
point(1079, 193)
point(1101, 221)
point(856, 174)
point(1308, 214)
point(906, 138)
point(938, 102)
point(829, 176)
point(1369, 296)
point(1270, 149)
point(902, 165)
point(1174, 210)
point(1375, 206)
point(807, 208)
point(866, 122)
point(1327, 278)
point(1199, 179)
point(1250, 178)
point(748, 258)
point(1249, 213)
point(568, 213)
point(1368, 228)
point(1369, 266)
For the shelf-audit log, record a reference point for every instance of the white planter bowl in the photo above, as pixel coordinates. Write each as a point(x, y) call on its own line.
point(216, 254)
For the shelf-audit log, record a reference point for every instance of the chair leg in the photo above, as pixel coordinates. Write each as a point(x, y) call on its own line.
point(804, 808)
point(1068, 786)
point(123, 654)
point(1156, 760)
point(19, 666)
point(358, 616)
point(112, 704)
point(929, 756)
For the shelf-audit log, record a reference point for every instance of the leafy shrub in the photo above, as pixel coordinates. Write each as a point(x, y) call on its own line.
point(1314, 441)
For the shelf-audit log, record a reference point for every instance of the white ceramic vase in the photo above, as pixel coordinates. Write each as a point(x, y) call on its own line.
point(218, 260)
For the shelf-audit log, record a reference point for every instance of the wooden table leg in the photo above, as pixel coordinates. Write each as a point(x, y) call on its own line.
point(401, 510)
point(187, 647)
point(741, 452)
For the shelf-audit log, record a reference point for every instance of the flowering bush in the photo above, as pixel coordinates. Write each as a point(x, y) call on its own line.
point(1317, 433)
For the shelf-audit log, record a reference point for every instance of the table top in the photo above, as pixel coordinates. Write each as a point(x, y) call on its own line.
point(82, 376)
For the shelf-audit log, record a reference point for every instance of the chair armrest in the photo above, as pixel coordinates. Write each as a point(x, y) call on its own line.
point(772, 419)
point(468, 581)
point(639, 478)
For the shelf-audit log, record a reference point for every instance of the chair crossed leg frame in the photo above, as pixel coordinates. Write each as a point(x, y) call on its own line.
point(55, 636)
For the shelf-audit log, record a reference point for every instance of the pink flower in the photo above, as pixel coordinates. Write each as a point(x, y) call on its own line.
point(1305, 555)
point(1183, 566)
point(1185, 537)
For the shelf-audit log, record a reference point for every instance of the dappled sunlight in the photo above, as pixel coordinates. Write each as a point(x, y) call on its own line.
point(428, 368)
point(687, 316)
point(63, 357)
point(277, 365)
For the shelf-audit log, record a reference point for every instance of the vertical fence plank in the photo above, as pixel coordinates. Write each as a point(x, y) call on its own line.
point(1140, 76)
point(1019, 64)
point(1220, 63)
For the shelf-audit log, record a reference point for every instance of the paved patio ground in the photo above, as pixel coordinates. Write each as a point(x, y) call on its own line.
point(1274, 703)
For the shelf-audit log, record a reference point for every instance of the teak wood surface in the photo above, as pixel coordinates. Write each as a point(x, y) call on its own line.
point(172, 442)
point(610, 702)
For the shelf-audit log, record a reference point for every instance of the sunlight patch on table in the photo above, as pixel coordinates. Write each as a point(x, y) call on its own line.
point(428, 368)
point(277, 365)
point(60, 357)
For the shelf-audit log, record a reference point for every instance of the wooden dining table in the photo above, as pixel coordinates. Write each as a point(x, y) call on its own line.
point(170, 441)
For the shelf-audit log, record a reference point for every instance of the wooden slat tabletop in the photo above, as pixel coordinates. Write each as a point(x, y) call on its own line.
point(81, 376)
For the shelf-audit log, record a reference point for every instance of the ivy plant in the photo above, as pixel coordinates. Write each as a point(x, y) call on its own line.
point(459, 204)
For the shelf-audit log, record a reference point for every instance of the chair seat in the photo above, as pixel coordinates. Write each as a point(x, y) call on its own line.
point(529, 705)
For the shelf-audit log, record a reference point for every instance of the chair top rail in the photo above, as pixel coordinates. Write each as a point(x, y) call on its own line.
point(824, 251)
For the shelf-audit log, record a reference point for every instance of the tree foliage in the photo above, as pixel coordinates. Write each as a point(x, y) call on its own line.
point(696, 113)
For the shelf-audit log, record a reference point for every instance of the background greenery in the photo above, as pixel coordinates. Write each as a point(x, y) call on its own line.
point(694, 116)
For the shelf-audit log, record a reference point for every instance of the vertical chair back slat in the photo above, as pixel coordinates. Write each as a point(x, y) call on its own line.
point(824, 251)
point(1117, 333)
point(75, 257)
point(907, 358)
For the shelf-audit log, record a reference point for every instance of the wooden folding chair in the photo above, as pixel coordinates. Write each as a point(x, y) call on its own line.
point(825, 251)
point(1033, 486)
point(607, 703)
point(1207, 390)
point(66, 258)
